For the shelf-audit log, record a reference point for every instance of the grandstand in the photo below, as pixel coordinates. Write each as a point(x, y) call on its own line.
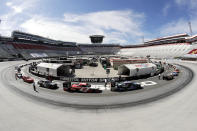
point(28, 46)
point(38, 39)
point(99, 49)
point(31, 50)
point(180, 38)
point(166, 47)
point(6, 51)
point(192, 39)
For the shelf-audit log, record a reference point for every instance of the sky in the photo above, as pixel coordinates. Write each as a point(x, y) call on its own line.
point(121, 22)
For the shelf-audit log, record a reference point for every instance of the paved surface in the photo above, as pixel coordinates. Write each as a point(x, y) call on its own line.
point(177, 112)
point(106, 99)
point(95, 72)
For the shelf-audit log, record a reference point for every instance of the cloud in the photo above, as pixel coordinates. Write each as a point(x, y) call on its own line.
point(179, 26)
point(54, 29)
point(118, 26)
point(181, 2)
point(123, 21)
point(190, 3)
point(166, 9)
point(17, 13)
point(17, 9)
point(188, 6)
point(19, 6)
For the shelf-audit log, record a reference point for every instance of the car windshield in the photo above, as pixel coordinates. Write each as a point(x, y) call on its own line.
point(47, 82)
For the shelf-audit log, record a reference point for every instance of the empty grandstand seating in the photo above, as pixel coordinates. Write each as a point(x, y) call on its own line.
point(99, 49)
point(31, 50)
point(29, 46)
point(6, 52)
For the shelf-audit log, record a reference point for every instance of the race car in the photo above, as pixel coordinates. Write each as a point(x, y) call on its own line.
point(81, 87)
point(19, 75)
point(168, 76)
point(126, 86)
point(90, 90)
point(27, 79)
point(93, 64)
point(175, 73)
point(47, 84)
point(177, 70)
point(76, 87)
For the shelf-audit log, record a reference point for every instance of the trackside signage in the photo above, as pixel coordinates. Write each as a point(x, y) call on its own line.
point(92, 79)
point(194, 51)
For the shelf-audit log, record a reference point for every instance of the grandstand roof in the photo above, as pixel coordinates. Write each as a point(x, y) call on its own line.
point(3, 38)
point(169, 37)
point(28, 36)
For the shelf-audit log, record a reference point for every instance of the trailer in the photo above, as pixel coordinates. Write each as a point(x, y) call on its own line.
point(53, 69)
point(133, 70)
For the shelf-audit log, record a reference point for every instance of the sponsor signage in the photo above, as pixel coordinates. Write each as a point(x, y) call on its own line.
point(141, 65)
point(93, 79)
point(194, 51)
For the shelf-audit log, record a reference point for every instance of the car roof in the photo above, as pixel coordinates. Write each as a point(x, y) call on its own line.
point(75, 85)
point(26, 76)
point(127, 82)
point(83, 83)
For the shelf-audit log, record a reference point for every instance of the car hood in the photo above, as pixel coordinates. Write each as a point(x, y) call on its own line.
point(53, 84)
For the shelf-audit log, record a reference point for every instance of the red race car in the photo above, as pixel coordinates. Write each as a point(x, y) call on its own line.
point(81, 87)
point(177, 70)
point(77, 87)
point(27, 79)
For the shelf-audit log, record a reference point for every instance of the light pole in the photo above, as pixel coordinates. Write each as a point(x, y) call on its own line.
point(190, 28)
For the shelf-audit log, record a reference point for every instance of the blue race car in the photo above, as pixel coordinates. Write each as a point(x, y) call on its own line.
point(126, 86)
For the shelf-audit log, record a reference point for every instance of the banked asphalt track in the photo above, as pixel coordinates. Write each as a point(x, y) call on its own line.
point(176, 112)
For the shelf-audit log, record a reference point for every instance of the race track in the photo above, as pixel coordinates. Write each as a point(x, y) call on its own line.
point(177, 112)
